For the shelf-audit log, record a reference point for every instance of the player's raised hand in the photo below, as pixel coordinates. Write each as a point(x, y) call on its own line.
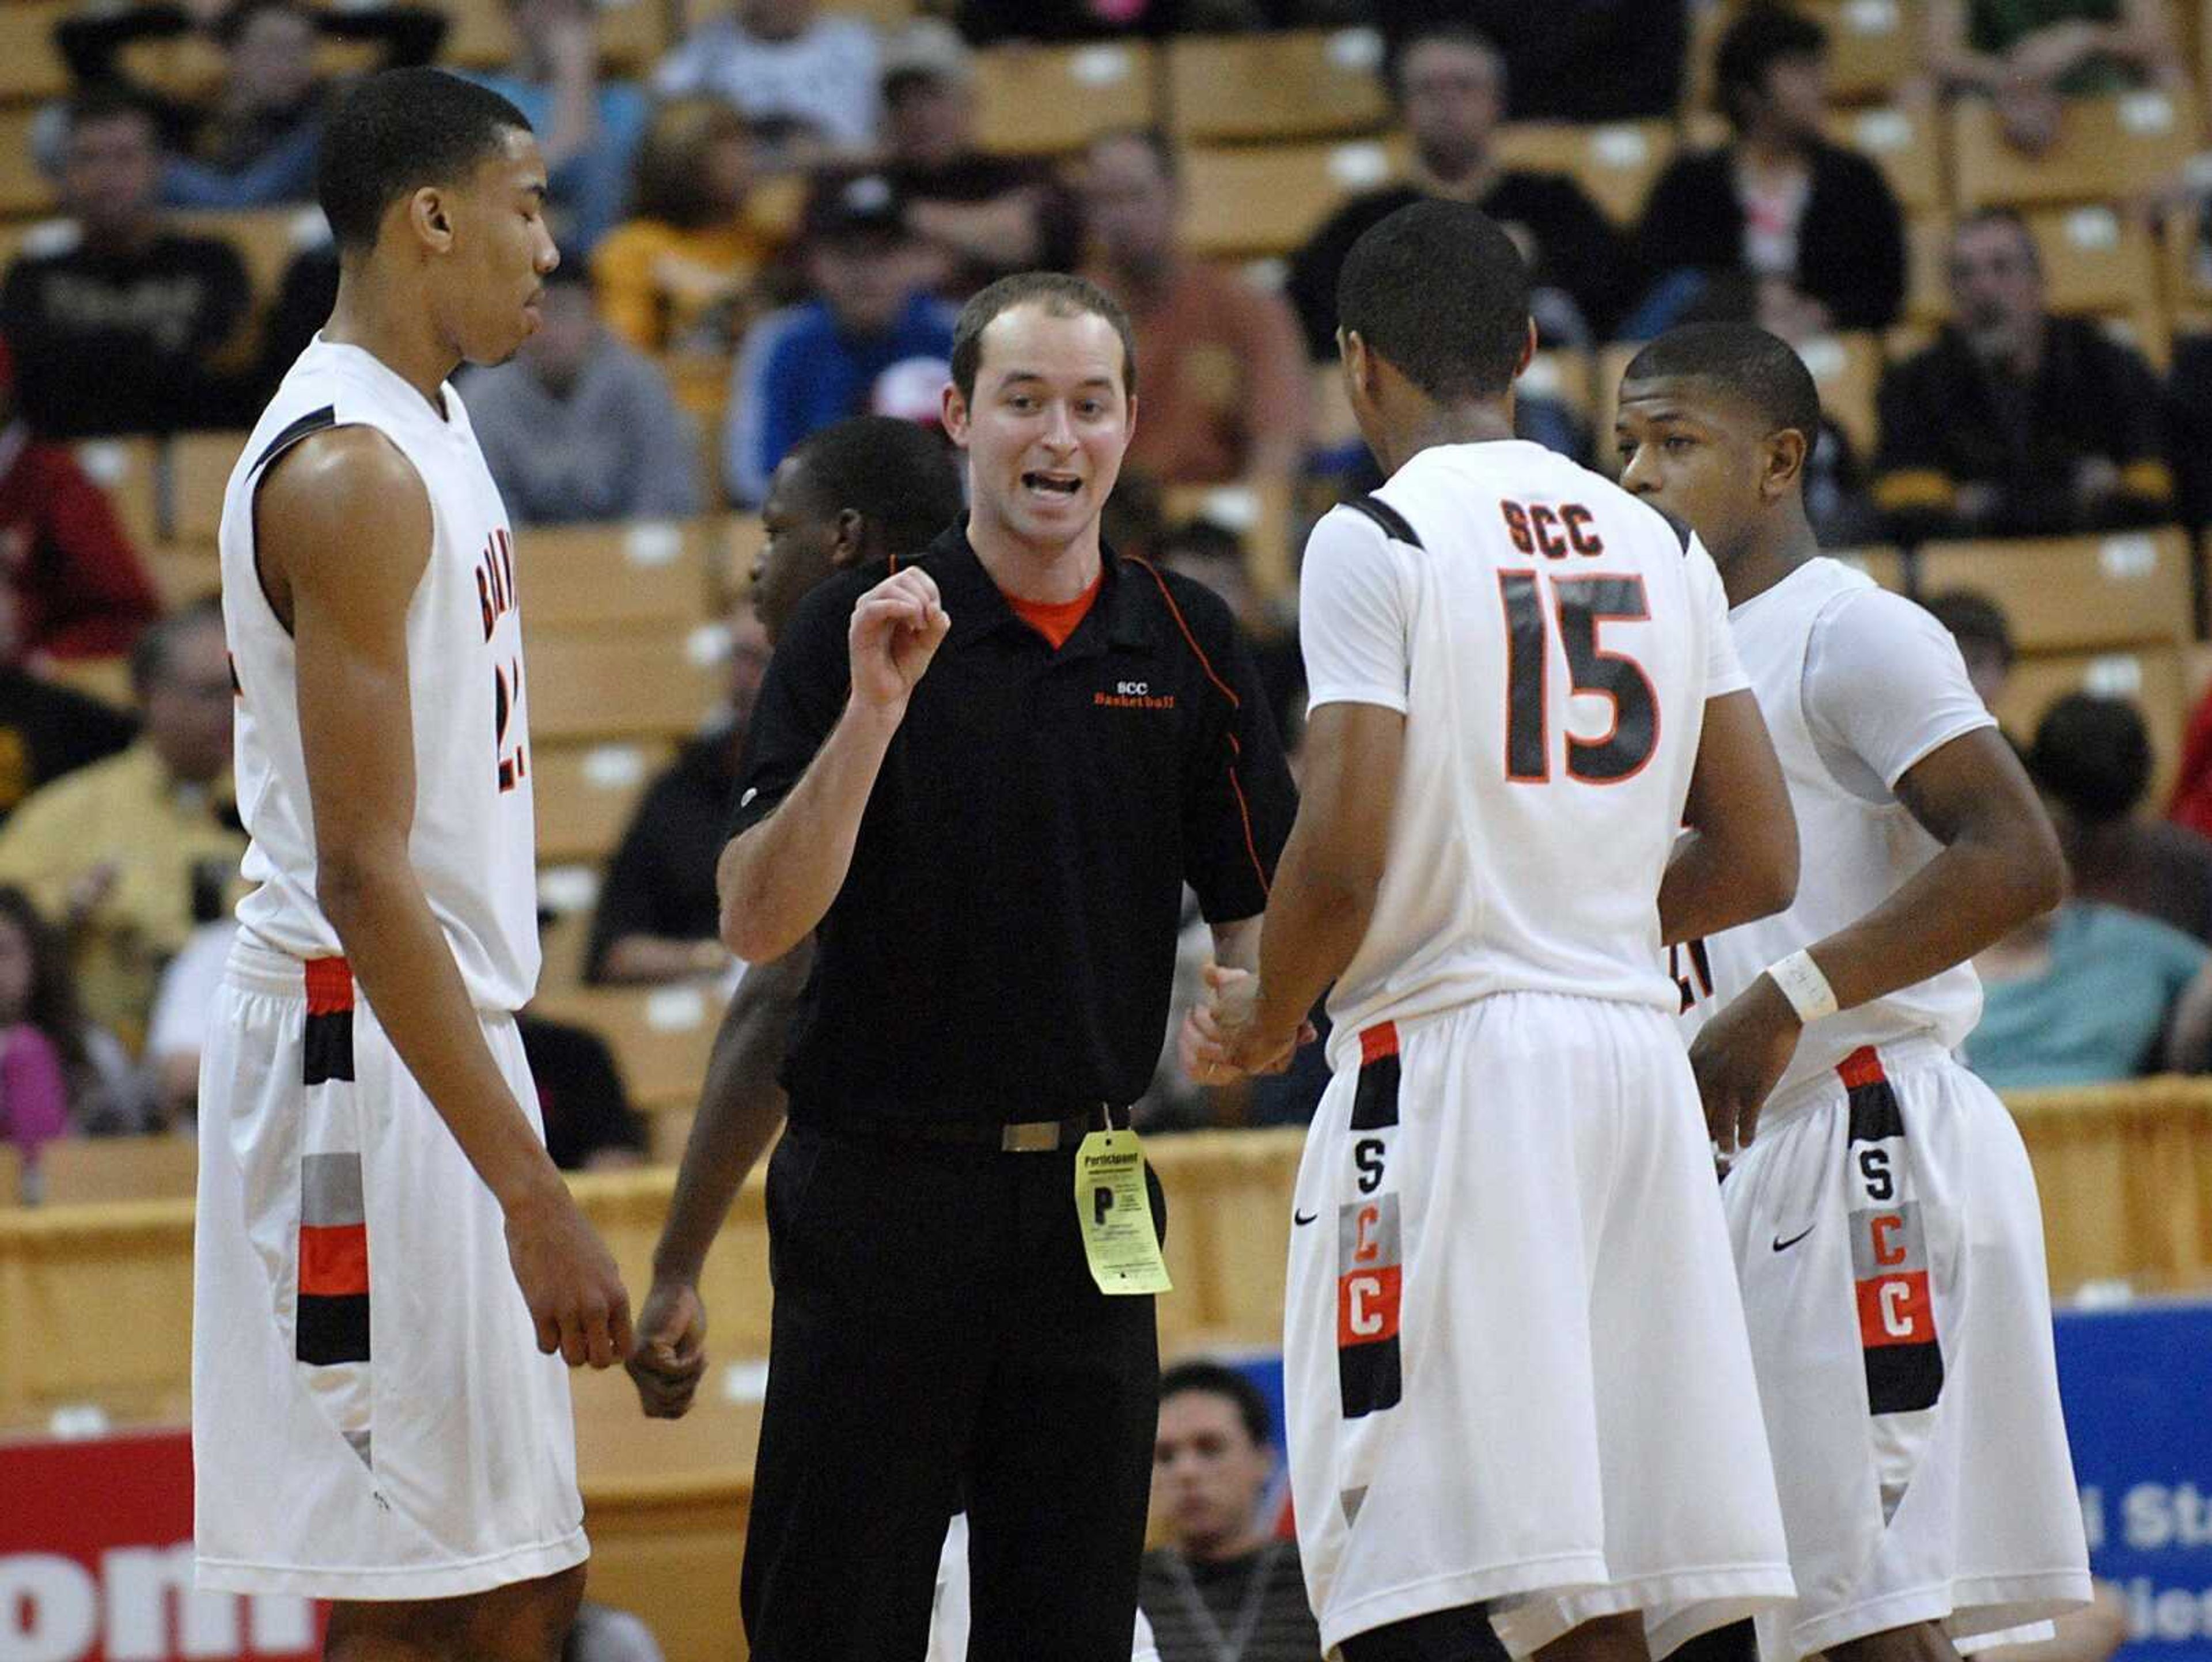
point(1738, 1057)
point(569, 1280)
point(896, 628)
point(671, 1356)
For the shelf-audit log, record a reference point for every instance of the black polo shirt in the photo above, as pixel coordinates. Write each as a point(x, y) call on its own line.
point(1004, 941)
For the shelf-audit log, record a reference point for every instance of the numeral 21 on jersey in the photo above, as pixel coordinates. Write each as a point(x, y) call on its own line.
point(506, 695)
point(1580, 604)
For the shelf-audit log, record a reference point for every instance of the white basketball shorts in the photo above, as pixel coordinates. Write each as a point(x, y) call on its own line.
point(1516, 1363)
point(371, 1416)
point(1890, 1247)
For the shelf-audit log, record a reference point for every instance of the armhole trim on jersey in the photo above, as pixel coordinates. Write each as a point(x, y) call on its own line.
point(1395, 524)
point(315, 421)
point(1680, 527)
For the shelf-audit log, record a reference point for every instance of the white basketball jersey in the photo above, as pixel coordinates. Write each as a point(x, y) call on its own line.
point(1856, 685)
point(473, 842)
point(1552, 641)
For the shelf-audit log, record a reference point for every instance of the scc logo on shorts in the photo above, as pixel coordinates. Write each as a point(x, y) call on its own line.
point(1369, 1258)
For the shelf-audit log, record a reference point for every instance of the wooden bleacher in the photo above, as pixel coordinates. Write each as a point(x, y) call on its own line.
point(644, 684)
point(586, 793)
point(2109, 150)
point(1905, 142)
point(614, 576)
point(1302, 83)
point(96, 1171)
point(1615, 163)
point(1051, 100)
point(660, 1036)
point(1240, 202)
point(2074, 594)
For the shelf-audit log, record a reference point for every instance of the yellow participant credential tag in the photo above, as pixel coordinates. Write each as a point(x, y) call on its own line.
point(1115, 1213)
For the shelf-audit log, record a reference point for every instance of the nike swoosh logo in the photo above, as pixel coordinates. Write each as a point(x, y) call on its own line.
point(1780, 1246)
point(1303, 1218)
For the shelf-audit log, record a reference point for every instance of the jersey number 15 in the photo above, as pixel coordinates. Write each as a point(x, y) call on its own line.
point(1579, 605)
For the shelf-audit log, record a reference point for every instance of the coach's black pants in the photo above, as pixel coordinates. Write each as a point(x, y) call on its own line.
point(937, 1337)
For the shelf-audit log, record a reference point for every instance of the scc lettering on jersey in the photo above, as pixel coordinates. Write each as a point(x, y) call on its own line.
point(494, 600)
point(1889, 1248)
point(1553, 533)
point(1369, 1371)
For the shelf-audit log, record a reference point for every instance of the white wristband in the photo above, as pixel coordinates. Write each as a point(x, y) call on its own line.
point(1804, 986)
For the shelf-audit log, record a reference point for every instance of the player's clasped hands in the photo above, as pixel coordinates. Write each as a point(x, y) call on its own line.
point(896, 628)
point(1221, 1041)
point(672, 1349)
point(569, 1280)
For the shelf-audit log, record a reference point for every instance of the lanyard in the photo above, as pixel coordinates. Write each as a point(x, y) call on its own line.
point(1255, 1600)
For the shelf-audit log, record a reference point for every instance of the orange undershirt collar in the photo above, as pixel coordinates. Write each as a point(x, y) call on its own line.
point(1057, 619)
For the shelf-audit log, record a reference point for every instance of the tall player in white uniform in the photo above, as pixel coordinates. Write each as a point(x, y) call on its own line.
point(373, 1421)
point(1519, 1386)
point(1885, 1220)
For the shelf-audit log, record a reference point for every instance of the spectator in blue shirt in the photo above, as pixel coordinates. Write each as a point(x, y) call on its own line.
point(875, 343)
point(589, 129)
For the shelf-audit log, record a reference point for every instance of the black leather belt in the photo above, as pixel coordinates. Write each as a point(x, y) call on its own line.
point(1028, 1136)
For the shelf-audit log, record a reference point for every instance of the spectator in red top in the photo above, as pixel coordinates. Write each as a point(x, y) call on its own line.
point(80, 591)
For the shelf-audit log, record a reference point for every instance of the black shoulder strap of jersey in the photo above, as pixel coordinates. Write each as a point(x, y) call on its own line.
point(314, 422)
point(1392, 521)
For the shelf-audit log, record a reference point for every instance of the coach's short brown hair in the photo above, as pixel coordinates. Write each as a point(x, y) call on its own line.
point(1061, 296)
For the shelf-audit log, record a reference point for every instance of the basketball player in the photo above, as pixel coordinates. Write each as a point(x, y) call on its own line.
point(1516, 1368)
point(1912, 1405)
point(372, 1421)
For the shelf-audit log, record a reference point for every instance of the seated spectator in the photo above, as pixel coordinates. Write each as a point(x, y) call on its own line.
point(2030, 55)
point(253, 144)
point(115, 319)
point(129, 853)
point(675, 275)
point(1978, 623)
point(2092, 757)
point(2190, 805)
point(75, 586)
point(804, 81)
point(1222, 1570)
point(60, 1076)
point(1448, 85)
point(579, 427)
point(46, 730)
point(658, 918)
point(875, 343)
point(1814, 221)
point(2188, 418)
point(177, 1030)
point(589, 1123)
point(2016, 423)
point(2088, 994)
point(1570, 60)
point(1227, 392)
point(979, 217)
point(588, 128)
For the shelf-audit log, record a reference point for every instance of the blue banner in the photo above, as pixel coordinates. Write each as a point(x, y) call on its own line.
point(2138, 1386)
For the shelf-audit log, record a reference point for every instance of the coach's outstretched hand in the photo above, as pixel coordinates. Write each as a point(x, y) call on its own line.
point(1738, 1057)
point(896, 628)
point(672, 1350)
point(568, 1278)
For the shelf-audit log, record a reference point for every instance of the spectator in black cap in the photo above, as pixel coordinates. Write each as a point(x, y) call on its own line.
point(876, 342)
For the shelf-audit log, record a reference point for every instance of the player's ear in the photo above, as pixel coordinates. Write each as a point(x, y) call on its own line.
point(431, 216)
point(1786, 455)
point(850, 543)
point(953, 409)
point(1528, 351)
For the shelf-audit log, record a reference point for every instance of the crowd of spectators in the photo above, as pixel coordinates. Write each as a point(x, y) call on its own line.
point(787, 208)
